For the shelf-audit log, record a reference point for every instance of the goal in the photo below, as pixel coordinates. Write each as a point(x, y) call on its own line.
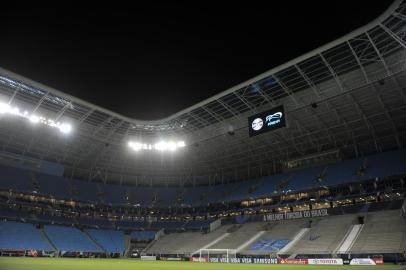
point(216, 255)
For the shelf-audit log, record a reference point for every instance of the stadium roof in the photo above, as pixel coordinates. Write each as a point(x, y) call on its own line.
point(346, 97)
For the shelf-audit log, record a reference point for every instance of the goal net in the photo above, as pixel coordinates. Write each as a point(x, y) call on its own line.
point(216, 255)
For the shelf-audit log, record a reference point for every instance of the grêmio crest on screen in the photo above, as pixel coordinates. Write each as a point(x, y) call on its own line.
point(266, 121)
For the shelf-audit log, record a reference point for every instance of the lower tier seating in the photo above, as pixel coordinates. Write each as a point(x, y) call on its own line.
point(382, 232)
point(22, 236)
point(111, 241)
point(70, 239)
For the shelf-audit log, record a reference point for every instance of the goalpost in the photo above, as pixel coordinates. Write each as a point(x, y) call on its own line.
point(219, 254)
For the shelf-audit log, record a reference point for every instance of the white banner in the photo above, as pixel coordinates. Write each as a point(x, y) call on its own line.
point(173, 259)
point(362, 262)
point(326, 261)
point(148, 258)
point(198, 259)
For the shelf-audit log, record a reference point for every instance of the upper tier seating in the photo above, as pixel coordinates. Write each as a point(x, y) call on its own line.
point(21, 236)
point(371, 167)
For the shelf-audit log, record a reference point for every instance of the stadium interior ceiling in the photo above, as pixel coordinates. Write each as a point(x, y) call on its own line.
point(345, 99)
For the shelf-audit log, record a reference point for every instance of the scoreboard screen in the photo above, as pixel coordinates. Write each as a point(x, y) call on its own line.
point(266, 121)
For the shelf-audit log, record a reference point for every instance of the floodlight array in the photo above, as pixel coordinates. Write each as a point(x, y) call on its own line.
point(33, 118)
point(159, 146)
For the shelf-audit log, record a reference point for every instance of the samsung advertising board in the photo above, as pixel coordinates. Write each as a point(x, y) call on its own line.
point(266, 121)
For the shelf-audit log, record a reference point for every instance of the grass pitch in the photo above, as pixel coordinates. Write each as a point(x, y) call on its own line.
point(18, 263)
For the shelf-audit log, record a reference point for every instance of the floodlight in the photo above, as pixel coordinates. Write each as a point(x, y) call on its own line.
point(136, 146)
point(159, 146)
point(172, 146)
point(65, 128)
point(181, 144)
point(34, 119)
point(15, 111)
point(4, 107)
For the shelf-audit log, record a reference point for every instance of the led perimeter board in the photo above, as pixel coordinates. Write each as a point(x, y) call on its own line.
point(266, 121)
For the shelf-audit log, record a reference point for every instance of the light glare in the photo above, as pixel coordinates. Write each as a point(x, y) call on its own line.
point(34, 119)
point(4, 108)
point(65, 128)
point(181, 144)
point(7, 109)
point(159, 146)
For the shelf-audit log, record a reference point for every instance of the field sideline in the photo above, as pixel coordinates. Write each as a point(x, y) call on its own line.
point(19, 263)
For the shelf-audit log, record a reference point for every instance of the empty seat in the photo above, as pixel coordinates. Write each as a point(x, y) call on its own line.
point(70, 239)
point(21, 236)
point(111, 241)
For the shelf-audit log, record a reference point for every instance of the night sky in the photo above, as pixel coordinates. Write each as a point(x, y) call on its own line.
point(150, 61)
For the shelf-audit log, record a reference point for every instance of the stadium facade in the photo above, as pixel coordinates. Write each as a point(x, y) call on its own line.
point(327, 179)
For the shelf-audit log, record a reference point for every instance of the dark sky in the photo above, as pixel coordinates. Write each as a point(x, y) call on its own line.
point(150, 61)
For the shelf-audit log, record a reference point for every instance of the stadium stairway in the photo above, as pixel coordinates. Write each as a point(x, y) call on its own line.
point(91, 239)
point(21, 236)
point(295, 239)
point(383, 232)
point(324, 235)
point(185, 242)
point(127, 245)
point(47, 239)
point(250, 241)
point(240, 236)
point(70, 239)
point(212, 243)
point(147, 247)
point(349, 239)
point(158, 235)
point(277, 235)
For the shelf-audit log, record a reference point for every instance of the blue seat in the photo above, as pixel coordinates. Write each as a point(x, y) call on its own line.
point(269, 244)
point(376, 166)
point(70, 239)
point(111, 241)
point(143, 235)
point(21, 236)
